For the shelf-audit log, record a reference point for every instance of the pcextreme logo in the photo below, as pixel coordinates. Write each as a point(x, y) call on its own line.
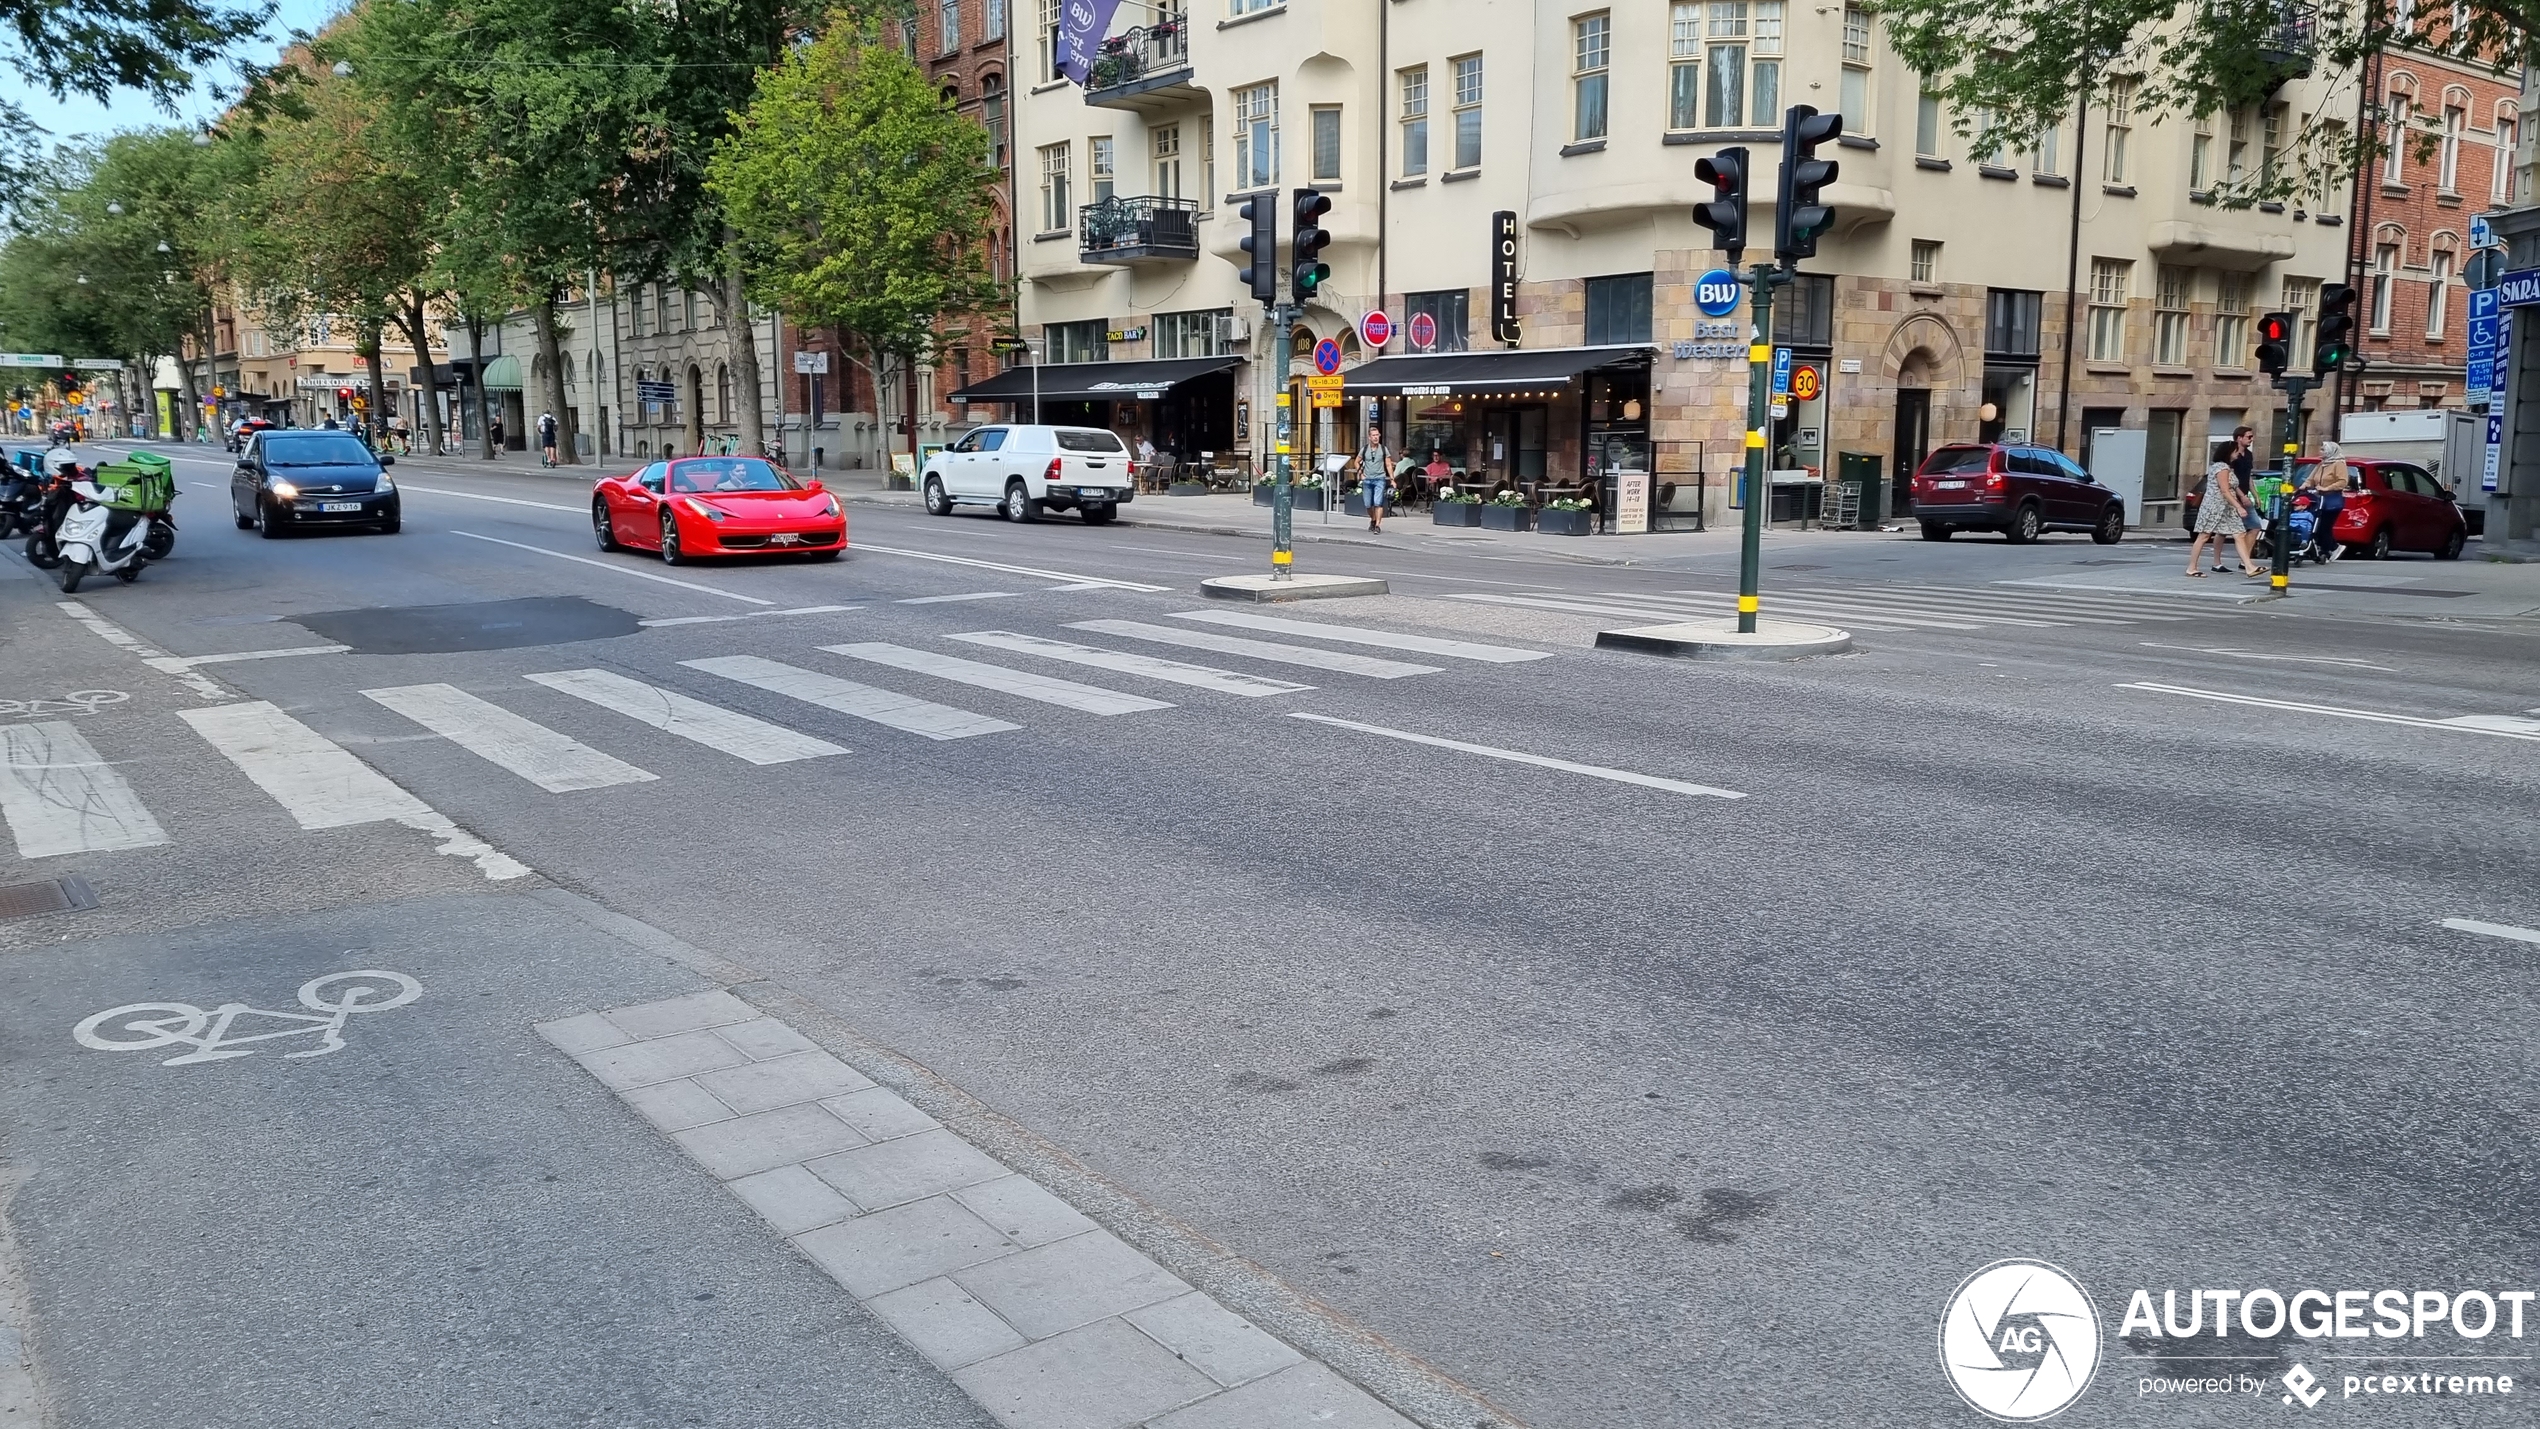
point(2019, 1341)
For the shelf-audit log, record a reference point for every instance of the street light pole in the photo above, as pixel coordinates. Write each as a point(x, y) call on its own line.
point(1759, 392)
point(1282, 321)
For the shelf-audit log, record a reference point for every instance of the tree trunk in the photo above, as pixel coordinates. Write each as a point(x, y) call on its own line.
point(484, 400)
point(189, 404)
point(418, 327)
point(372, 363)
point(733, 307)
point(908, 410)
point(551, 353)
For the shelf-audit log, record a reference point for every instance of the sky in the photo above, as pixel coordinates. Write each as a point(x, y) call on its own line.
point(82, 115)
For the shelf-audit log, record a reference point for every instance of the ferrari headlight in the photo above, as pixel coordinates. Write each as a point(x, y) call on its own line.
point(833, 507)
point(704, 510)
point(284, 489)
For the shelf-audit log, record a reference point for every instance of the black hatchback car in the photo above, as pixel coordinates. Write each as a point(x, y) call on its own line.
point(288, 480)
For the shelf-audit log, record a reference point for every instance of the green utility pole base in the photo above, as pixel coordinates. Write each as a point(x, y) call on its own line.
point(1763, 278)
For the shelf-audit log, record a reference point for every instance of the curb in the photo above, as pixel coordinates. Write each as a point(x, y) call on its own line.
point(1720, 640)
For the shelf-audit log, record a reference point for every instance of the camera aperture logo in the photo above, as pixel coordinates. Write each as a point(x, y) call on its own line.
point(2019, 1341)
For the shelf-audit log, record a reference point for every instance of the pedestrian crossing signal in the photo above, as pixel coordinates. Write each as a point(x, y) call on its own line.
point(2275, 343)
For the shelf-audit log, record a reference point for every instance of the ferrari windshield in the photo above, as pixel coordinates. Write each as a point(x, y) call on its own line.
point(743, 473)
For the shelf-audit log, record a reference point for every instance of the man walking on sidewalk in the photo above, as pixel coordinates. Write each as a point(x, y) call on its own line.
point(546, 439)
point(1375, 470)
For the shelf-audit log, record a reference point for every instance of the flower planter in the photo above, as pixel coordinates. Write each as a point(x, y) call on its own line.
point(1187, 488)
point(1564, 523)
point(1354, 505)
point(1261, 493)
point(1306, 498)
point(1504, 518)
point(1457, 513)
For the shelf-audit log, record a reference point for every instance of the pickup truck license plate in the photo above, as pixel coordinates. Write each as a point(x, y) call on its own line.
point(339, 506)
point(1099, 493)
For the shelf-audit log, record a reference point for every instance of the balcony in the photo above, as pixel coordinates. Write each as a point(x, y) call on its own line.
point(1126, 231)
point(2283, 33)
point(1147, 69)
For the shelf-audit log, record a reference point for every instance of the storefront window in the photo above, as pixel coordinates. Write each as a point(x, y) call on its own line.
point(1078, 342)
point(1447, 311)
point(1618, 309)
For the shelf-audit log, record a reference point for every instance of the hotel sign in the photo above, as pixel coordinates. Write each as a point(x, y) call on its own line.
point(1503, 277)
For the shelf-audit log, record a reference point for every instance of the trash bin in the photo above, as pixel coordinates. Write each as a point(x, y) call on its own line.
point(1861, 470)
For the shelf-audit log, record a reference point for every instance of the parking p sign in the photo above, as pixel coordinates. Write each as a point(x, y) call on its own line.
point(1716, 293)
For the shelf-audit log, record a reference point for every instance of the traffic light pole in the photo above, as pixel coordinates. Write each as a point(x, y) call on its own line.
point(1282, 320)
point(1764, 277)
point(2297, 419)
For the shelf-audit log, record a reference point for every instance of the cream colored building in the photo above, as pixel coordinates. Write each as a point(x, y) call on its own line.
point(1934, 312)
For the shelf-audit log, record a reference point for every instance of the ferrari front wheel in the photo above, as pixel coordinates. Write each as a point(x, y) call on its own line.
point(671, 555)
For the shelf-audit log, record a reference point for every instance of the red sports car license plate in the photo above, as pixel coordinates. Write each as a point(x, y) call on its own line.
point(785, 538)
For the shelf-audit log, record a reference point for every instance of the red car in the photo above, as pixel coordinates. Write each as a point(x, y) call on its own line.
point(697, 506)
point(2021, 491)
point(2394, 506)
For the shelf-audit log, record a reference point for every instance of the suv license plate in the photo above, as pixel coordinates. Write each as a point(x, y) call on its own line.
point(1949, 486)
point(339, 506)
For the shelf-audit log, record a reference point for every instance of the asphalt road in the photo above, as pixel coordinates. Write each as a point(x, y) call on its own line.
point(2088, 925)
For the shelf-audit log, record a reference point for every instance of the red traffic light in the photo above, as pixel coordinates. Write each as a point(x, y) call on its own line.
point(2275, 327)
point(344, 394)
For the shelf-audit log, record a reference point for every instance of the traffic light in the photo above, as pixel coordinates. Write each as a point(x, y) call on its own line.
point(1798, 218)
point(2275, 343)
point(1725, 214)
point(2335, 341)
point(1310, 239)
point(1261, 275)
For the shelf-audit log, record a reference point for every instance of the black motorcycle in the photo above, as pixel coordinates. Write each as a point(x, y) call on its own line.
point(55, 502)
point(21, 493)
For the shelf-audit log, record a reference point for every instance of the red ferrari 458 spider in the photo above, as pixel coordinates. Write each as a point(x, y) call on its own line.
point(690, 507)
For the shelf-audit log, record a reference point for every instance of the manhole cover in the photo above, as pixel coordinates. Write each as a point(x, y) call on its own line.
point(482, 625)
point(53, 895)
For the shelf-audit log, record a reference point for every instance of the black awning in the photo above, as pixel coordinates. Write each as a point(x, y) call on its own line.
point(1094, 381)
point(1446, 374)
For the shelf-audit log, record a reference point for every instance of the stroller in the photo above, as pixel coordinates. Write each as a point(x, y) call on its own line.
point(2307, 522)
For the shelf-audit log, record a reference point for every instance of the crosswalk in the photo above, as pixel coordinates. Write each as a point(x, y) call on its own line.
point(1880, 608)
point(59, 794)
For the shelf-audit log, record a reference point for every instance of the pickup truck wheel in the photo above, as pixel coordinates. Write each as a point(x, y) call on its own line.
point(1934, 531)
point(1019, 505)
point(937, 503)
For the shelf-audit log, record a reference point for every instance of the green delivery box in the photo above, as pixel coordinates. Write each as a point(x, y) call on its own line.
point(142, 481)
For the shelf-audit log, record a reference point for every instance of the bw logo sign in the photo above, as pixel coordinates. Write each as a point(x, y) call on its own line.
point(2019, 1341)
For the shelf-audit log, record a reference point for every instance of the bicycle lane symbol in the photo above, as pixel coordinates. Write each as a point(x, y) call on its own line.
point(213, 1035)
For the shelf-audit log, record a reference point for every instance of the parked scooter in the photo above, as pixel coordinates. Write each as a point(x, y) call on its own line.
point(99, 538)
point(53, 502)
point(21, 493)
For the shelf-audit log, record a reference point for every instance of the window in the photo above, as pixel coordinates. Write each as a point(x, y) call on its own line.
point(1926, 262)
point(688, 311)
point(2109, 278)
point(2011, 322)
point(635, 314)
point(1446, 309)
point(1803, 316)
point(1191, 334)
point(2120, 130)
point(948, 27)
point(992, 23)
point(1854, 95)
point(1468, 112)
point(1743, 63)
point(661, 309)
point(2049, 155)
point(1326, 125)
point(1684, 65)
point(1100, 168)
point(1257, 136)
point(2454, 121)
point(1049, 41)
point(2200, 156)
point(1078, 342)
point(1927, 125)
point(2401, 106)
point(2170, 289)
point(1167, 140)
point(1208, 155)
point(2500, 173)
point(1591, 53)
point(2301, 298)
point(1618, 309)
point(1057, 212)
point(2385, 267)
point(992, 115)
point(2438, 298)
point(1987, 149)
point(722, 393)
point(2236, 153)
point(2270, 143)
point(1415, 121)
point(1248, 7)
point(2231, 320)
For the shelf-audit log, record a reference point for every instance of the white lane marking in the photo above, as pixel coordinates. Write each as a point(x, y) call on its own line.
point(1084, 582)
point(2493, 930)
point(149, 1026)
point(736, 734)
point(2454, 725)
point(2496, 724)
point(883, 707)
point(322, 786)
point(1340, 661)
point(1224, 682)
point(617, 567)
point(1088, 585)
point(552, 761)
point(1352, 635)
point(1997, 609)
point(127, 642)
point(60, 796)
point(1593, 771)
point(175, 664)
point(2349, 663)
point(1724, 603)
point(951, 599)
point(480, 496)
point(747, 615)
point(1067, 694)
point(1641, 610)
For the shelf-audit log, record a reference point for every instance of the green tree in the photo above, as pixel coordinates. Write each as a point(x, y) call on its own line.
point(862, 201)
point(98, 47)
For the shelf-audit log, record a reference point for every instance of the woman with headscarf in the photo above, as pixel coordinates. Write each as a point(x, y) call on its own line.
point(2330, 478)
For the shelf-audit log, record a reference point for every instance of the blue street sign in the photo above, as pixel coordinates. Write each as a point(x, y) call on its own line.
point(2480, 234)
point(2481, 376)
point(1327, 357)
point(2495, 444)
point(2520, 289)
point(1781, 372)
point(1716, 293)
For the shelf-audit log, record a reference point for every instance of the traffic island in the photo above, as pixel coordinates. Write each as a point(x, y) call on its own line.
point(1722, 640)
point(1268, 589)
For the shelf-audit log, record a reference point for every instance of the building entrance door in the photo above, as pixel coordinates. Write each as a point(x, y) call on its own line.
point(1913, 443)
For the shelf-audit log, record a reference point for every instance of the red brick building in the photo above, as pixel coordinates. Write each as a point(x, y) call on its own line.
point(2450, 130)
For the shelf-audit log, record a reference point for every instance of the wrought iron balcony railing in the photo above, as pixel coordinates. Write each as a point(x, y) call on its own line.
point(1126, 230)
